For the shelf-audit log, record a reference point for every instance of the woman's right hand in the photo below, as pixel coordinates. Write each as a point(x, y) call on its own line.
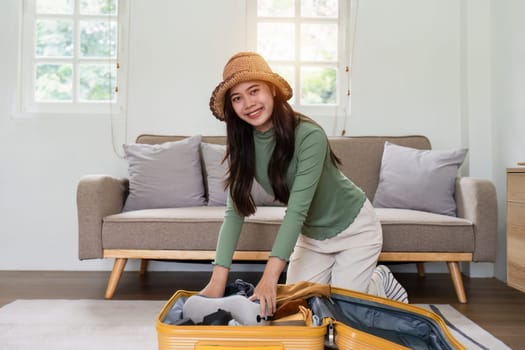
point(217, 284)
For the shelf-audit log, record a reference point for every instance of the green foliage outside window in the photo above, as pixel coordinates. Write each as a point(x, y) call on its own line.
point(98, 7)
point(96, 82)
point(98, 39)
point(54, 38)
point(318, 86)
point(53, 82)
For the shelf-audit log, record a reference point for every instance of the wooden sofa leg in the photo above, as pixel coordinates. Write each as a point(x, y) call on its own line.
point(118, 267)
point(455, 273)
point(143, 267)
point(420, 269)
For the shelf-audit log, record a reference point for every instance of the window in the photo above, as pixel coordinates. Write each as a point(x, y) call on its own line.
point(304, 41)
point(71, 56)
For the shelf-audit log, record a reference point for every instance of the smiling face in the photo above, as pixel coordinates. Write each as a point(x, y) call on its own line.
point(252, 101)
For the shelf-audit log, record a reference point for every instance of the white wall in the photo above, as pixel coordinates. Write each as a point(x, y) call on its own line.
point(406, 70)
point(444, 68)
point(176, 61)
point(508, 102)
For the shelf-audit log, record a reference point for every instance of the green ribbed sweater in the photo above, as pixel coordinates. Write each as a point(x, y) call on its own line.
point(322, 203)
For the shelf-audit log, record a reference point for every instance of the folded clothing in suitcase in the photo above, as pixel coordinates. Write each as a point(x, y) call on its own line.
point(336, 318)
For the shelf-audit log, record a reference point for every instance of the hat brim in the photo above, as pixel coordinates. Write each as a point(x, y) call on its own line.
point(218, 96)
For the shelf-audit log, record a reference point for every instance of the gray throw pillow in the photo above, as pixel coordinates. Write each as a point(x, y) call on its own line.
point(166, 175)
point(215, 173)
point(418, 179)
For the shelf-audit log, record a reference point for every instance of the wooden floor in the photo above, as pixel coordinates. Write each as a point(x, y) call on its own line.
point(492, 304)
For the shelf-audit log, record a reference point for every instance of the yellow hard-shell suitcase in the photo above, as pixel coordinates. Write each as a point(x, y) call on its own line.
point(172, 337)
point(360, 333)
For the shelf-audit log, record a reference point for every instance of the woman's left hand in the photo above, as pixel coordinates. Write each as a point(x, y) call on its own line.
point(266, 293)
point(266, 290)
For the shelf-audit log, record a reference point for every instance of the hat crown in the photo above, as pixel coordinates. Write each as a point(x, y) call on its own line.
point(242, 67)
point(245, 61)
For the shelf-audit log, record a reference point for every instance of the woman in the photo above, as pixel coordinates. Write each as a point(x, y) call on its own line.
point(330, 233)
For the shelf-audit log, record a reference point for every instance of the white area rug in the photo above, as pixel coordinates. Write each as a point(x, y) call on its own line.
point(469, 329)
point(123, 324)
point(79, 325)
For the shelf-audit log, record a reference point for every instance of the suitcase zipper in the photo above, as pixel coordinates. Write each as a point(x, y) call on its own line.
point(331, 333)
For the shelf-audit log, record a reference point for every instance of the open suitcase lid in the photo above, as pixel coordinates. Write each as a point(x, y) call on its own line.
point(404, 326)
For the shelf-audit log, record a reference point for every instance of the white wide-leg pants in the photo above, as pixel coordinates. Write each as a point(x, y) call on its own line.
point(347, 260)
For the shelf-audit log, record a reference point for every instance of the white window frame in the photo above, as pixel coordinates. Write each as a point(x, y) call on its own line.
point(342, 65)
point(26, 104)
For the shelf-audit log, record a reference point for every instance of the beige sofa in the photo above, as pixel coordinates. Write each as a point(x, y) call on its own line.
point(190, 233)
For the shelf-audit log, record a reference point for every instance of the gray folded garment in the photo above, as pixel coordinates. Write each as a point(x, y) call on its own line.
point(243, 310)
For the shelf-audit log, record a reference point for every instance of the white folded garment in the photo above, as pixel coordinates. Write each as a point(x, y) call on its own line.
point(243, 310)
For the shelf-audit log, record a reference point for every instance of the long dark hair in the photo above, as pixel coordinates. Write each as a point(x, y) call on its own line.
point(240, 152)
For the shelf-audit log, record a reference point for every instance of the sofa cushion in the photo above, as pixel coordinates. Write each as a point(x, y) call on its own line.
point(418, 179)
point(197, 228)
point(194, 228)
point(164, 175)
point(406, 230)
point(215, 172)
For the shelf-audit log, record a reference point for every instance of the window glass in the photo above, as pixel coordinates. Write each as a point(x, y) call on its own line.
point(318, 85)
point(276, 41)
point(54, 38)
point(54, 6)
point(319, 8)
point(97, 82)
point(98, 7)
point(275, 8)
point(319, 42)
point(53, 82)
point(98, 38)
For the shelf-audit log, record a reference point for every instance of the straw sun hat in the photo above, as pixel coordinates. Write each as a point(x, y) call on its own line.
point(242, 67)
